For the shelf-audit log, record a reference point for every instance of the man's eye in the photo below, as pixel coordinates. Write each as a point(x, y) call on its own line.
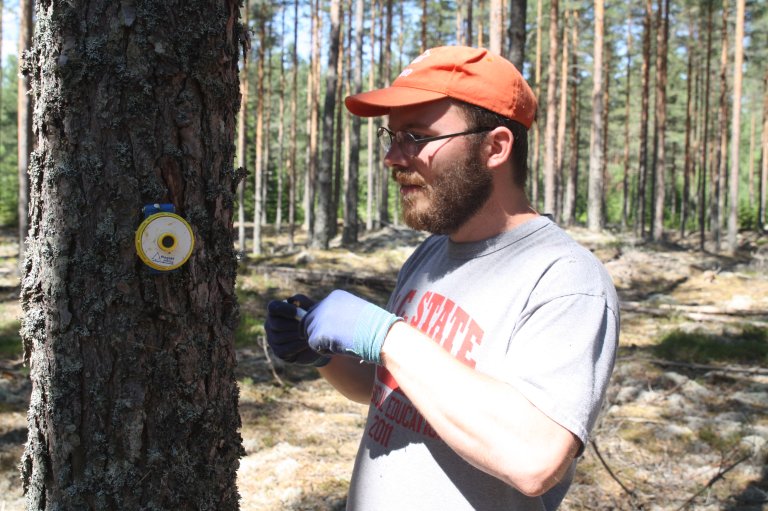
point(416, 136)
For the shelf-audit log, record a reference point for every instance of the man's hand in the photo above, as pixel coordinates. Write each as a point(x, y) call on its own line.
point(347, 325)
point(285, 335)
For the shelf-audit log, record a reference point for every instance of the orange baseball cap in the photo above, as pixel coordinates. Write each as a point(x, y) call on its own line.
point(472, 75)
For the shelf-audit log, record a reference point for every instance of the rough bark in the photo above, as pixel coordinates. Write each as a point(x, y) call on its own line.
point(627, 102)
point(534, 179)
point(134, 400)
point(292, 149)
point(705, 135)
point(571, 184)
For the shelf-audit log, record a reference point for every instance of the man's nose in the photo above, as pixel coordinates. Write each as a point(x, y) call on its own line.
point(395, 157)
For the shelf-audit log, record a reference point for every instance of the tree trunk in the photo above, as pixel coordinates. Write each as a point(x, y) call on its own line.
point(571, 185)
point(705, 134)
point(751, 164)
point(349, 235)
point(495, 27)
point(292, 149)
point(550, 134)
point(627, 102)
point(242, 136)
point(763, 198)
point(424, 18)
point(340, 143)
point(281, 171)
point(134, 399)
point(563, 105)
point(595, 219)
point(258, 173)
point(644, 107)
point(313, 95)
point(718, 171)
point(372, 147)
point(738, 62)
point(383, 171)
point(657, 229)
point(516, 32)
point(470, 17)
point(26, 140)
point(689, 114)
point(324, 190)
point(537, 125)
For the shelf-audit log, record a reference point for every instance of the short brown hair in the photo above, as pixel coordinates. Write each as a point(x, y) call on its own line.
point(480, 117)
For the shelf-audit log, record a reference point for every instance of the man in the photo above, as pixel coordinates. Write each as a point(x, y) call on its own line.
point(487, 369)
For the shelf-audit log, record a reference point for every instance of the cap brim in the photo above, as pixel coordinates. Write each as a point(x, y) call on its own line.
point(380, 101)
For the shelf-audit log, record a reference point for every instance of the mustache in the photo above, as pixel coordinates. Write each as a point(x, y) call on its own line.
point(405, 177)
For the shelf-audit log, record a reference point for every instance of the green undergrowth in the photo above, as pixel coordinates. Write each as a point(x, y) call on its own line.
point(746, 345)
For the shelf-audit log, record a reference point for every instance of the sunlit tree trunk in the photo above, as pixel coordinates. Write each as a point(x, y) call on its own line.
point(563, 105)
point(495, 27)
point(324, 189)
point(292, 149)
point(627, 102)
point(25, 140)
point(134, 398)
point(705, 134)
point(242, 137)
point(572, 179)
point(258, 172)
point(313, 99)
point(689, 115)
point(341, 140)
point(281, 171)
point(349, 235)
point(595, 220)
point(719, 170)
point(762, 216)
point(657, 229)
point(537, 125)
point(645, 86)
point(470, 16)
point(386, 58)
point(751, 164)
point(550, 133)
point(738, 62)
point(372, 146)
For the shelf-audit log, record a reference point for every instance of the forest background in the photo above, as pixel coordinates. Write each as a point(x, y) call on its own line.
point(651, 128)
point(652, 115)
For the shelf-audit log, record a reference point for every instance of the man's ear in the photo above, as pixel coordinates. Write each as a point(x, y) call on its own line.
point(500, 142)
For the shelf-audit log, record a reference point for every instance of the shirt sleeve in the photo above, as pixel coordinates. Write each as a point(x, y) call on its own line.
point(561, 356)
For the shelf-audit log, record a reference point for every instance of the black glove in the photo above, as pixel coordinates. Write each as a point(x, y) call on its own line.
point(285, 335)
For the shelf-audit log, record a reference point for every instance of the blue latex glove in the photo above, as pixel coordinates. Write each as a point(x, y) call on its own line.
point(285, 335)
point(344, 324)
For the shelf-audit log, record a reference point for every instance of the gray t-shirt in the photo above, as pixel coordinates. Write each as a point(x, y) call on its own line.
point(530, 307)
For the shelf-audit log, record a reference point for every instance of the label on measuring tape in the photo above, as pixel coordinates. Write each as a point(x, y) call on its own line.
point(164, 240)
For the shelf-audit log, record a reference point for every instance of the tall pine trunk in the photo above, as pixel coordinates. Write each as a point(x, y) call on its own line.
point(495, 27)
point(572, 179)
point(550, 132)
point(657, 229)
point(595, 220)
point(625, 202)
point(324, 190)
point(719, 170)
point(534, 177)
point(645, 86)
point(705, 135)
point(516, 32)
point(763, 196)
point(242, 137)
point(292, 146)
point(134, 399)
point(733, 185)
point(349, 234)
point(25, 140)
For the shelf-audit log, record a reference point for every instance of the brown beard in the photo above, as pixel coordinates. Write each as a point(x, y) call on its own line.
point(456, 194)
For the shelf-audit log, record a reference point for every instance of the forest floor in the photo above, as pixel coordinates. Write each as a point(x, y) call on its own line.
point(685, 425)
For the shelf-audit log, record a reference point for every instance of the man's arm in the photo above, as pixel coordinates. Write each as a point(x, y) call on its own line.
point(486, 421)
point(350, 377)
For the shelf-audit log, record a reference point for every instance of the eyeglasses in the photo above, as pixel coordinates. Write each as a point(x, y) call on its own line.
point(409, 143)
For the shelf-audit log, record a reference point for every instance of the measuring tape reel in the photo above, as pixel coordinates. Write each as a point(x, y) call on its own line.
point(164, 240)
